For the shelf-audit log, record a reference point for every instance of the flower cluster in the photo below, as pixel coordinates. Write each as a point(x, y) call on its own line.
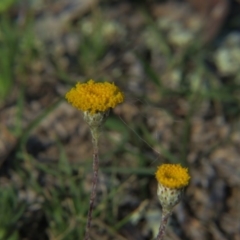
point(95, 100)
point(95, 97)
point(172, 176)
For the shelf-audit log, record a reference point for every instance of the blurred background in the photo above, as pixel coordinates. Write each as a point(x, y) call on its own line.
point(178, 65)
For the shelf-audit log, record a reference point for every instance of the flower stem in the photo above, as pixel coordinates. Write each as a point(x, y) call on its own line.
point(94, 185)
point(162, 228)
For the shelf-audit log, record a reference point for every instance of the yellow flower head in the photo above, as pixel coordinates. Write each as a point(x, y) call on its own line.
point(173, 176)
point(95, 97)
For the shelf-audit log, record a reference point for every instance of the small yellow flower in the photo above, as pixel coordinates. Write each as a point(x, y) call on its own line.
point(95, 97)
point(172, 179)
point(173, 176)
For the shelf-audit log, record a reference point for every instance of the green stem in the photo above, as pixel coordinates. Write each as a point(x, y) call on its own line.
point(94, 182)
point(162, 228)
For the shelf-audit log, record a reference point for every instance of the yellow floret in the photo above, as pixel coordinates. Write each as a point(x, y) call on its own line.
point(173, 176)
point(95, 97)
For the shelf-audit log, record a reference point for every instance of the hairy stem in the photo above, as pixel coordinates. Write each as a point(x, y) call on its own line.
point(94, 186)
point(162, 228)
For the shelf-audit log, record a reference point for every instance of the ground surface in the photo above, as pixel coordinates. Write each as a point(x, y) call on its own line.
point(178, 65)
